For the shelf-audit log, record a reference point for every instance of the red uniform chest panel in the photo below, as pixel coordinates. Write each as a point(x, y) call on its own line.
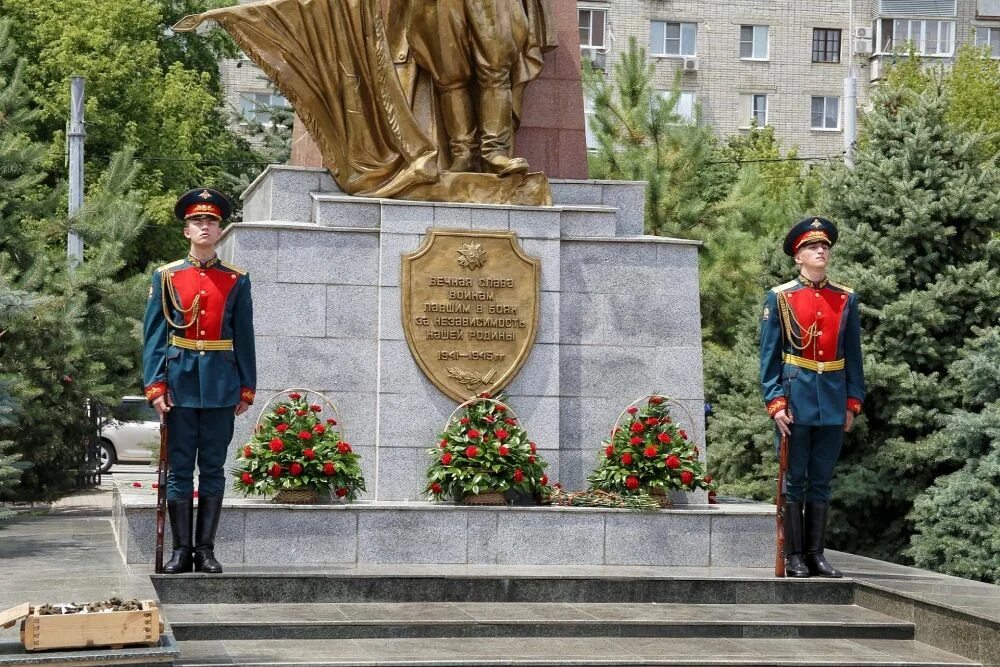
point(823, 308)
point(212, 287)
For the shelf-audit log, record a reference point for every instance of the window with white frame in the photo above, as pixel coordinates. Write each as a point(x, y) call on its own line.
point(753, 106)
point(753, 42)
point(592, 27)
point(825, 113)
point(930, 37)
point(672, 39)
point(989, 37)
point(256, 106)
point(685, 106)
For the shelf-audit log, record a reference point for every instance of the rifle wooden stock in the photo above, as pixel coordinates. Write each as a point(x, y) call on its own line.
point(161, 495)
point(779, 510)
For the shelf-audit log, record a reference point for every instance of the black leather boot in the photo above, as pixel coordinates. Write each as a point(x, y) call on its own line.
point(795, 566)
point(180, 527)
point(209, 510)
point(816, 518)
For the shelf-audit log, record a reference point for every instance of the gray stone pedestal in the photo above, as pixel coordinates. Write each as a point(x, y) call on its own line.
point(619, 317)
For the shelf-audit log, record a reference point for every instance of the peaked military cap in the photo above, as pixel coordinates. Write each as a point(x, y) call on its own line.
point(809, 230)
point(203, 201)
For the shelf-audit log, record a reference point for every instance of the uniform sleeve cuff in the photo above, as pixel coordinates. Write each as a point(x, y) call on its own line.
point(155, 390)
point(247, 395)
point(854, 405)
point(776, 405)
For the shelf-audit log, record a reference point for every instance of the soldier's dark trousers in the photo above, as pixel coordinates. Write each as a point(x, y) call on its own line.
point(812, 454)
point(198, 436)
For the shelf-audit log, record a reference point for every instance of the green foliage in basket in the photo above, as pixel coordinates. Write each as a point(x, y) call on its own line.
point(649, 452)
point(295, 448)
point(484, 449)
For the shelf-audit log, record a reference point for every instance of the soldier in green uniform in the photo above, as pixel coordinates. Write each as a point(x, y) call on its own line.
point(813, 385)
point(199, 372)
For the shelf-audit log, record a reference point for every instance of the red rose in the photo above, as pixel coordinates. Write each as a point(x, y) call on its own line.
point(609, 451)
point(247, 452)
point(436, 489)
point(276, 470)
point(637, 427)
point(652, 421)
point(444, 442)
point(655, 400)
point(501, 408)
point(510, 422)
point(276, 445)
point(504, 451)
point(635, 440)
point(294, 396)
point(280, 410)
point(627, 458)
point(544, 481)
point(281, 428)
point(518, 476)
point(632, 483)
point(485, 394)
point(687, 477)
point(531, 458)
point(664, 438)
point(319, 429)
point(195, 494)
point(673, 462)
point(343, 448)
point(632, 410)
point(501, 434)
point(247, 478)
point(463, 421)
point(316, 408)
point(489, 419)
point(446, 458)
point(666, 420)
point(650, 452)
point(137, 485)
point(305, 435)
point(309, 453)
point(331, 422)
point(684, 434)
point(301, 413)
point(295, 469)
point(708, 479)
point(534, 449)
point(471, 451)
point(328, 468)
point(341, 492)
point(473, 433)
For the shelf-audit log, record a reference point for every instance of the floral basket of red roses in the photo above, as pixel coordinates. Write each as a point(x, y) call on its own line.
point(295, 455)
point(484, 454)
point(650, 453)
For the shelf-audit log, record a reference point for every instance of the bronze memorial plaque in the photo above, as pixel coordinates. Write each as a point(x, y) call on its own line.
point(470, 309)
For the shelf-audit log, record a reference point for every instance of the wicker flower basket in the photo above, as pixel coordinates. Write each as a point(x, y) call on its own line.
point(296, 497)
point(486, 498)
point(661, 497)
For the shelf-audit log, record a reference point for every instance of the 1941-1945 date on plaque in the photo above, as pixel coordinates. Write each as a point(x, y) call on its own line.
point(470, 309)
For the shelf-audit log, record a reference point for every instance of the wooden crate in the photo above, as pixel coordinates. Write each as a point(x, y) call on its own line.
point(112, 629)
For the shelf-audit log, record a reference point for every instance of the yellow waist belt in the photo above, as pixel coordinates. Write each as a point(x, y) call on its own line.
point(818, 366)
point(202, 345)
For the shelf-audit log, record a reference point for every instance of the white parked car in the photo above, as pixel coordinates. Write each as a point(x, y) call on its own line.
point(131, 434)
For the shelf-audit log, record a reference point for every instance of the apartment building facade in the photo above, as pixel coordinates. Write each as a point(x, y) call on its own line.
point(779, 62)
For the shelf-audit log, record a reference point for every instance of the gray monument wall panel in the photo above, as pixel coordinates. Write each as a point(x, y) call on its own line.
point(399, 371)
point(548, 251)
point(327, 184)
point(402, 472)
point(301, 536)
point(290, 194)
point(644, 320)
point(576, 223)
point(576, 192)
point(391, 248)
point(630, 201)
point(592, 370)
point(252, 248)
point(453, 216)
point(352, 311)
point(524, 537)
point(657, 538)
point(540, 374)
point(490, 219)
point(391, 315)
point(406, 218)
point(141, 543)
point(535, 223)
point(742, 541)
point(411, 536)
point(283, 309)
point(614, 267)
point(585, 421)
point(257, 202)
point(356, 212)
point(548, 315)
point(539, 416)
point(323, 364)
point(328, 257)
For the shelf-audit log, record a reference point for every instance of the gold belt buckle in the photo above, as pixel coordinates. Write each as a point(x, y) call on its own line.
point(819, 365)
point(200, 344)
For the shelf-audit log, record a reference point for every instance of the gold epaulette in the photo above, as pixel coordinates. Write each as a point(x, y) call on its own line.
point(843, 287)
point(171, 265)
point(781, 288)
point(232, 267)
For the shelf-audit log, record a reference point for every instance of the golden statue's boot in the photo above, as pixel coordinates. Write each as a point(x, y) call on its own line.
point(496, 124)
point(460, 123)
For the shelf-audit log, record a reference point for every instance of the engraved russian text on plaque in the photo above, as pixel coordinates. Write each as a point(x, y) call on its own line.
point(470, 309)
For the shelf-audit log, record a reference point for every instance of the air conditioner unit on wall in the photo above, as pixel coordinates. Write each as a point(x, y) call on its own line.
point(863, 47)
point(863, 32)
point(598, 58)
point(690, 64)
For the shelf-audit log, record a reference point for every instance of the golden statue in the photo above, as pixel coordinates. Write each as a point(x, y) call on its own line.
point(419, 119)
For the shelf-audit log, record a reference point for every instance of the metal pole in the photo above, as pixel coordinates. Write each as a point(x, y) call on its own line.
point(74, 138)
point(850, 94)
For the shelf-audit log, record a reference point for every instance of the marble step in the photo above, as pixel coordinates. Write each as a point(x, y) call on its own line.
point(476, 585)
point(483, 619)
point(569, 651)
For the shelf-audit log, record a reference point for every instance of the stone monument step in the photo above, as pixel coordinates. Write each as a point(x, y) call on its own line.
point(570, 652)
point(476, 584)
point(487, 619)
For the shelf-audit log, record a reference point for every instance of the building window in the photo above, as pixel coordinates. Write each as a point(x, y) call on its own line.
point(826, 45)
point(672, 39)
point(753, 42)
point(825, 113)
point(592, 22)
point(685, 107)
point(588, 114)
point(930, 37)
point(257, 107)
point(989, 37)
point(753, 106)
